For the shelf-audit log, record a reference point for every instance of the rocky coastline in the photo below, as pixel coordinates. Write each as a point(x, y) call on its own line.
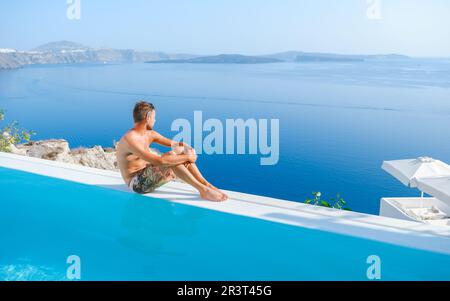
point(59, 150)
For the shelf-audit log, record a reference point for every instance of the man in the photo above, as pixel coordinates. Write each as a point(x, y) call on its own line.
point(144, 171)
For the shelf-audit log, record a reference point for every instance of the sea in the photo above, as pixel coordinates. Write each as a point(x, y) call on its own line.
point(337, 121)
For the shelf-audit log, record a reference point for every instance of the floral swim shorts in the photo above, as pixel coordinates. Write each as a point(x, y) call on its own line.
point(150, 178)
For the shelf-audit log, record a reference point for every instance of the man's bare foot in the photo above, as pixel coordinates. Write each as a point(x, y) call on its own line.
point(212, 195)
point(217, 189)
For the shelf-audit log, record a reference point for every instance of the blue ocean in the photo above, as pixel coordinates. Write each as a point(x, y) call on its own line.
point(337, 121)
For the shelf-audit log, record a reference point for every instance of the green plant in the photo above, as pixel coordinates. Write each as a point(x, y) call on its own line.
point(336, 203)
point(12, 134)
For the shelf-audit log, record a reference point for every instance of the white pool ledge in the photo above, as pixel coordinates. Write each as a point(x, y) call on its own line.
point(372, 227)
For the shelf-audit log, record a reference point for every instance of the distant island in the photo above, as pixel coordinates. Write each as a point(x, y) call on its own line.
point(66, 52)
point(290, 56)
point(222, 59)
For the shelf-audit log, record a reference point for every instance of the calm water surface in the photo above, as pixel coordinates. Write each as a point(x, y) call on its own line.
point(338, 121)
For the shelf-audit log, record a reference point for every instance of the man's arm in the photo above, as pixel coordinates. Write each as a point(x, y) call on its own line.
point(160, 139)
point(166, 159)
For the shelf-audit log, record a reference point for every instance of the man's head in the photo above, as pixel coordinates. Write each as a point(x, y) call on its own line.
point(144, 112)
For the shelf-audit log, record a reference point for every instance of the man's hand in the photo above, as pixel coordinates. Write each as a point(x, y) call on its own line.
point(188, 150)
point(191, 154)
point(182, 148)
point(192, 158)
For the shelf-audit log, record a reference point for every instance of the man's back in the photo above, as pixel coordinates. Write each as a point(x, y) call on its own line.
point(128, 162)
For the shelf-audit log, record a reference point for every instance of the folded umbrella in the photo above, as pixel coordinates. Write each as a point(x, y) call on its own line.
point(438, 187)
point(409, 170)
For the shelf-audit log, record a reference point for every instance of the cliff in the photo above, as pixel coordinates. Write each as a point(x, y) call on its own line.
point(59, 150)
point(65, 52)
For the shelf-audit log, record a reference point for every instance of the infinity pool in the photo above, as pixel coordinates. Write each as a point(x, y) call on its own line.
point(123, 236)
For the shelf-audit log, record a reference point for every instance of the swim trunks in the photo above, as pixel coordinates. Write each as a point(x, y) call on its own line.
point(151, 177)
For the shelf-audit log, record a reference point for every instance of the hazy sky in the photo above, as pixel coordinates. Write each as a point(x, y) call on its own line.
point(412, 27)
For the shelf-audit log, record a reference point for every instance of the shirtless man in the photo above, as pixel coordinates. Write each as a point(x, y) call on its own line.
point(144, 171)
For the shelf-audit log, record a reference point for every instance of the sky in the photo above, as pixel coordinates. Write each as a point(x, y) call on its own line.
point(411, 27)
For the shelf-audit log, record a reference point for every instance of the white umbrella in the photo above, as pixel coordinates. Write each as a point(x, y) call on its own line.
point(437, 187)
point(406, 171)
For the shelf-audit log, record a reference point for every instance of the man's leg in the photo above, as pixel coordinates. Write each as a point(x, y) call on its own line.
point(193, 169)
point(205, 192)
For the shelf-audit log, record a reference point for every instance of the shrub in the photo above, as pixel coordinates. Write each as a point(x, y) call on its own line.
point(336, 203)
point(12, 134)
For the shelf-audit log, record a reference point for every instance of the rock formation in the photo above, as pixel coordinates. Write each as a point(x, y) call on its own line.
point(58, 150)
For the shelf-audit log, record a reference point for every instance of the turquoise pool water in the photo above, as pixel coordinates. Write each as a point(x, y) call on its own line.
point(123, 236)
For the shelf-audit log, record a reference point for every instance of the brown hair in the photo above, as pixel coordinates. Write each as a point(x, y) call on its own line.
point(141, 110)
